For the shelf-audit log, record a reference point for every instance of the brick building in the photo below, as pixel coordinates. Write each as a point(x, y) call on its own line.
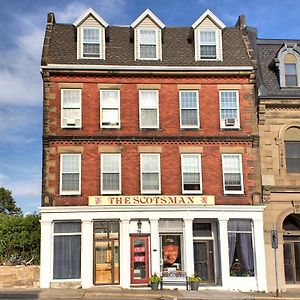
point(150, 154)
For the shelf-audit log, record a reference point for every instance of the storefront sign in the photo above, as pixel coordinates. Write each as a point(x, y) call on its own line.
point(151, 200)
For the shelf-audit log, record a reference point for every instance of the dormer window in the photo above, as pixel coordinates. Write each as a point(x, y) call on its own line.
point(288, 63)
point(90, 36)
point(208, 44)
point(148, 44)
point(147, 37)
point(91, 42)
point(208, 37)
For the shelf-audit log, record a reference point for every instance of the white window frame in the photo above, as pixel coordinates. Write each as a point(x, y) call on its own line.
point(100, 43)
point(219, 54)
point(240, 192)
point(65, 234)
point(197, 108)
point(62, 109)
point(216, 44)
point(200, 174)
point(157, 110)
point(101, 108)
point(142, 155)
point(74, 192)
point(237, 120)
point(156, 42)
point(111, 192)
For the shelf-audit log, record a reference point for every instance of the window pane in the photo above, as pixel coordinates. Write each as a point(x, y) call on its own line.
point(91, 50)
point(190, 163)
point(290, 69)
point(70, 182)
point(69, 227)
point(189, 117)
point(231, 163)
point(208, 51)
point(148, 99)
point(111, 182)
point(188, 99)
point(110, 117)
point(110, 99)
point(207, 37)
point(91, 35)
point(290, 75)
point(150, 181)
point(150, 163)
point(71, 98)
point(290, 80)
point(171, 253)
point(111, 163)
point(67, 257)
point(147, 36)
point(148, 51)
point(292, 152)
point(149, 117)
point(239, 225)
point(70, 163)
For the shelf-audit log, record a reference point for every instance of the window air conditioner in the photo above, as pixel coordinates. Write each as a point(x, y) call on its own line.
point(229, 122)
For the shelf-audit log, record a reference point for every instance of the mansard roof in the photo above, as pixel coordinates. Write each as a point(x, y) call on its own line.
point(268, 77)
point(178, 48)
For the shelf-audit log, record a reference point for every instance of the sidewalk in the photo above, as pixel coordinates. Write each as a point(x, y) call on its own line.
point(141, 294)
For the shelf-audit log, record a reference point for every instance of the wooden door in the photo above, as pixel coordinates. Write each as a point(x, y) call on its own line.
point(204, 260)
point(139, 261)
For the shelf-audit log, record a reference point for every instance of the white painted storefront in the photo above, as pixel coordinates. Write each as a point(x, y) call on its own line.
point(155, 222)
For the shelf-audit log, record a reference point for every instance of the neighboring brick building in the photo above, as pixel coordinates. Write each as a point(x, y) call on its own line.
point(150, 158)
point(279, 130)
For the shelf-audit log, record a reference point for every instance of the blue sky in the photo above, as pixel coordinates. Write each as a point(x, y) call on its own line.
point(22, 25)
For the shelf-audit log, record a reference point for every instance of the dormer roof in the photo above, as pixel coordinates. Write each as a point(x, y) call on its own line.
point(212, 17)
point(151, 15)
point(85, 15)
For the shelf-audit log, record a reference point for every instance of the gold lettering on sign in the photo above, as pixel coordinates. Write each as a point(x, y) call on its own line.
point(151, 200)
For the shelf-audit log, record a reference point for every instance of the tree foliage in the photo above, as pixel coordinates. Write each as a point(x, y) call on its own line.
point(7, 203)
point(19, 236)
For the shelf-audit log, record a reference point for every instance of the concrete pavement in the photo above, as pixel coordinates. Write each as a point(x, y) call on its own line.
point(112, 293)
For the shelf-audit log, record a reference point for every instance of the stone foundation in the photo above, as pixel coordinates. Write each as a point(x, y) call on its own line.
point(19, 276)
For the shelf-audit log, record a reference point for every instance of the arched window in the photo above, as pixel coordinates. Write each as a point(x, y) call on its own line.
point(288, 63)
point(292, 149)
point(290, 70)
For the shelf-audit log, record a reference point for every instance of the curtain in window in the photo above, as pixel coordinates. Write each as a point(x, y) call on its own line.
point(110, 172)
point(148, 103)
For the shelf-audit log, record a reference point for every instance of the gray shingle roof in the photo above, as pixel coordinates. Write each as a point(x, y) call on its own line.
point(177, 50)
point(268, 73)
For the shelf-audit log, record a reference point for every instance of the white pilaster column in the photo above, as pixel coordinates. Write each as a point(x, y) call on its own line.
point(188, 247)
point(155, 247)
point(124, 254)
point(224, 253)
point(87, 254)
point(46, 257)
point(259, 250)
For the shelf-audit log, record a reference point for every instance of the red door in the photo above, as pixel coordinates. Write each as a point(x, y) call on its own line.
point(139, 261)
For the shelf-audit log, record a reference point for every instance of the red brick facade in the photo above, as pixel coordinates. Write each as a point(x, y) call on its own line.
point(209, 138)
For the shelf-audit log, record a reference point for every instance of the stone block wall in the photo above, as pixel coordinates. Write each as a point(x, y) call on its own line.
point(19, 276)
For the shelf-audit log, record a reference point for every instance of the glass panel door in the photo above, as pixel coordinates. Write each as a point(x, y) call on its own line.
point(139, 259)
point(103, 260)
point(292, 262)
point(203, 260)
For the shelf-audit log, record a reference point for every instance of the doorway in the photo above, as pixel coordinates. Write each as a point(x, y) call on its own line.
point(139, 261)
point(203, 260)
point(291, 248)
point(106, 252)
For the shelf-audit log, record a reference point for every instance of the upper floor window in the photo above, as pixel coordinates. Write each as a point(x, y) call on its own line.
point(292, 149)
point(229, 109)
point(91, 42)
point(111, 173)
point(290, 74)
point(149, 115)
point(70, 108)
point(110, 108)
point(288, 63)
point(232, 174)
point(148, 43)
point(70, 174)
point(208, 44)
point(189, 109)
point(150, 174)
point(191, 173)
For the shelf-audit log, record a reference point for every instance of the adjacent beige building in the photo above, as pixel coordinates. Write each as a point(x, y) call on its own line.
point(279, 130)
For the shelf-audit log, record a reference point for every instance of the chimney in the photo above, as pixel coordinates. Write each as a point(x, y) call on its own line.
point(50, 18)
point(241, 22)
